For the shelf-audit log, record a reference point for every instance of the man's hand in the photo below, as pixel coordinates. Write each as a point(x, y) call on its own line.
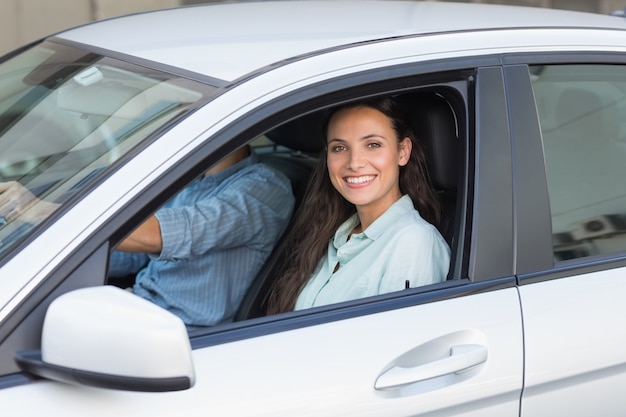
point(16, 200)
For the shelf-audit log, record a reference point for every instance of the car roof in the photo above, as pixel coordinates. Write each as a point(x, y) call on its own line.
point(230, 40)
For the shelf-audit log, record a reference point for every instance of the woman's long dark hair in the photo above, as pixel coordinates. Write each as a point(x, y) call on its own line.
point(323, 209)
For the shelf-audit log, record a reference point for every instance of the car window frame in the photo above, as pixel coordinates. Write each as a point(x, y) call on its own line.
point(497, 278)
point(261, 119)
point(535, 218)
point(270, 324)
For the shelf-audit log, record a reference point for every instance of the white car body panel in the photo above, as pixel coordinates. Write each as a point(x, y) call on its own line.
point(337, 365)
point(573, 364)
point(230, 49)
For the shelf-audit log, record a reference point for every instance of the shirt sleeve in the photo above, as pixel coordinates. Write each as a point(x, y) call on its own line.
point(123, 263)
point(250, 210)
point(421, 258)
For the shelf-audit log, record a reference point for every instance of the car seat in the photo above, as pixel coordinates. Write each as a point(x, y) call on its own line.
point(304, 139)
point(435, 125)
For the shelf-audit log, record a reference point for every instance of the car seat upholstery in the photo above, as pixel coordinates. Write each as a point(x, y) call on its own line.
point(579, 133)
point(304, 139)
point(434, 124)
point(579, 111)
point(583, 119)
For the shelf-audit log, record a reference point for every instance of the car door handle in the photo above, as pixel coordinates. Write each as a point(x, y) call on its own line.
point(462, 358)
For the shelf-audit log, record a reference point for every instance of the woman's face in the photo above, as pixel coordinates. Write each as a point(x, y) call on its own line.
point(364, 159)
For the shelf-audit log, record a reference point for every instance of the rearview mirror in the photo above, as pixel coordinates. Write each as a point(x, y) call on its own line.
point(110, 338)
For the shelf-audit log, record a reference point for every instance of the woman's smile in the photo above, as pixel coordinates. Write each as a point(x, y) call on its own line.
point(361, 180)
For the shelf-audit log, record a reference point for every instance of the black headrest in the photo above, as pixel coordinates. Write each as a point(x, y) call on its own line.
point(305, 134)
point(435, 125)
point(576, 104)
point(582, 112)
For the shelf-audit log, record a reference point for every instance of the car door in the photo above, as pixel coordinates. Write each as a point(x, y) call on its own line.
point(455, 348)
point(406, 361)
point(401, 355)
point(572, 252)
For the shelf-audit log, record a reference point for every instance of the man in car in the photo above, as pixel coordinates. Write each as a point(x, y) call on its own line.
point(197, 255)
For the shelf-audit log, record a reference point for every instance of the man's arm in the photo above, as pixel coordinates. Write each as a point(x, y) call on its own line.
point(17, 201)
point(144, 239)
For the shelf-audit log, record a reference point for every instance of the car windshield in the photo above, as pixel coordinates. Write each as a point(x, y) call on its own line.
point(66, 115)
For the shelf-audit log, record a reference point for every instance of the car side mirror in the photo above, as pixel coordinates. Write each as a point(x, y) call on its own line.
point(110, 338)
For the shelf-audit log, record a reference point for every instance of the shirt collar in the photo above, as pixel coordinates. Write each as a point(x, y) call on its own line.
point(384, 222)
point(379, 225)
point(343, 232)
point(244, 163)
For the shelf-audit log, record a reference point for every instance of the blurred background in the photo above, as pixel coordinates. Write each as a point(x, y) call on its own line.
point(24, 21)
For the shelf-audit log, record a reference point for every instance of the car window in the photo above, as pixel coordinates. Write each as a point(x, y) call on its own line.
point(581, 110)
point(293, 149)
point(65, 116)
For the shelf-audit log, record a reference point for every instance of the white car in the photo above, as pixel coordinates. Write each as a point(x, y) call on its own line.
point(524, 114)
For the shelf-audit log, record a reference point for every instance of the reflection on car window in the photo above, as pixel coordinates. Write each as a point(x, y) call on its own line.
point(581, 110)
point(66, 115)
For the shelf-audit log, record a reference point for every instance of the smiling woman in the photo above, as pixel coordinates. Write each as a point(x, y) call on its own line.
point(366, 225)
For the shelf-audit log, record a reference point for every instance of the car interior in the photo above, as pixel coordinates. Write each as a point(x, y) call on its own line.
point(296, 145)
